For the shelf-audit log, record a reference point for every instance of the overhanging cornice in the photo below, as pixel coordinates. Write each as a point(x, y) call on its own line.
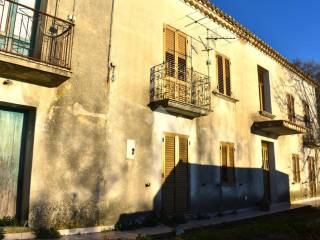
point(228, 22)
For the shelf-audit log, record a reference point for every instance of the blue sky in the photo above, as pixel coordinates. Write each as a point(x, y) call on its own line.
point(290, 26)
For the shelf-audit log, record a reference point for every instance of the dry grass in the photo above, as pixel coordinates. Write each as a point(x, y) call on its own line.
point(303, 224)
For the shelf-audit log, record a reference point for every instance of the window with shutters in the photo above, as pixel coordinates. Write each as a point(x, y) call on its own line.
point(306, 114)
point(224, 75)
point(291, 109)
point(296, 168)
point(264, 90)
point(175, 53)
point(227, 174)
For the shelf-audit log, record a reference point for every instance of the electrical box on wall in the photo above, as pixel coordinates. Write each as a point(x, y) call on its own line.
point(131, 149)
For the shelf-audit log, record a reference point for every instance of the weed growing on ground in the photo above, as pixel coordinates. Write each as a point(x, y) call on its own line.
point(47, 233)
point(8, 222)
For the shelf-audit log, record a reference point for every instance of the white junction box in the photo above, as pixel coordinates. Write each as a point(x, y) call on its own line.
point(131, 149)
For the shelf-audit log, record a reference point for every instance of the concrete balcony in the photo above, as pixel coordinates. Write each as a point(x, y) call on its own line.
point(276, 128)
point(35, 47)
point(179, 91)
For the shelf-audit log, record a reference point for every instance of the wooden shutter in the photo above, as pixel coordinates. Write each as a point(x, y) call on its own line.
point(220, 74)
point(227, 163)
point(231, 171)
point(265, 157)
point(168, 188)
point(261, 89)
point(182, 178)
point(224, 162)
point(182, 45)
point(170, 40)
point(296, 168)
point(170, 51)
point(306, 111)
point(312, 170)
point(182, 56)
point(291, 108)
point(224, 155)
point(228, 77)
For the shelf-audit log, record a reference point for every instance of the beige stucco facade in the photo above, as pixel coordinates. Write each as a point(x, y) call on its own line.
point(138, 46)
point(81, 175)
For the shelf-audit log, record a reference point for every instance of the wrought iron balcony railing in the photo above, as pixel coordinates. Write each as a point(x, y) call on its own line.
point(27, 32)
point(311, 138)
point(181, 84)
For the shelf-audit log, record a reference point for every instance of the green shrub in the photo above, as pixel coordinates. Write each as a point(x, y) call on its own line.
point(128, 222)
point(8, 222)
point(126, 225)
point(1, 234)
point(47, 233)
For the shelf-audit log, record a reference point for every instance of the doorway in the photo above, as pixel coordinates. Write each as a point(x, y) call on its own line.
point(16, 144)
point(175, 188)
point(266, 171)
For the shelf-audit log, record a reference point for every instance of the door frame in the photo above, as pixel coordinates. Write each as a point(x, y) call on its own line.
point(25, 168)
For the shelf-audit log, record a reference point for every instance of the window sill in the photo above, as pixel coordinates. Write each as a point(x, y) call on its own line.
point(267, 114)
point(225, 97)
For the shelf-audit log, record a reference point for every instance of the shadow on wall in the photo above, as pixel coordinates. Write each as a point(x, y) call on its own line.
point(202, 193)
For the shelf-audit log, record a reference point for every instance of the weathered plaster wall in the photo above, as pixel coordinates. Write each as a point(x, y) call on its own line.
point(68, 184)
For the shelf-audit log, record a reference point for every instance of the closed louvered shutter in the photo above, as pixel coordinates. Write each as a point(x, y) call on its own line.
point(296, 168)
point(291, 108)
point(220, 74)
point(265, 157)
point(182, 46)
point(182, 60)
point(228, 77)
point(168, 189)
point(231, 170)
point(261, 89)
point(289, 105)
point(175, 190)
point(182, 178)
point(306, 111)
point(224, 162)
point(170, 51)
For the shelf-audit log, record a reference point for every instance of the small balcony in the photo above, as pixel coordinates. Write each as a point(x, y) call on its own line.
point(276, 128)
point(311, 139)
point(35, 47)
point(180, 91)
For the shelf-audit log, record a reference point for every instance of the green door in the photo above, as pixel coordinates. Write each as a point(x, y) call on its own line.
point(11, 127)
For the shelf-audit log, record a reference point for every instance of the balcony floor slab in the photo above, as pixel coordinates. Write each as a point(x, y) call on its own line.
point(27, 70)
point(179, 108)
